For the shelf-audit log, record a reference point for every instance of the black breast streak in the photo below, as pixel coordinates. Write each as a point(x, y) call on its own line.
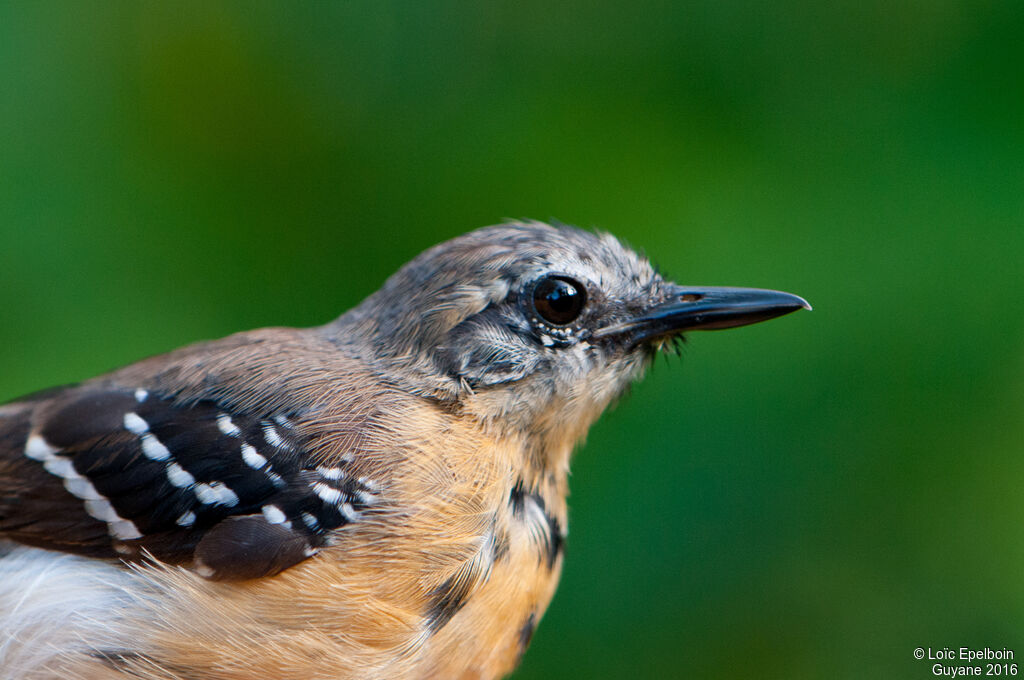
point(447, 599)
point(118, 659)
point(517, 499)
point(501, 545)
point(526, 634)
point(134, 663)
point(554, 543)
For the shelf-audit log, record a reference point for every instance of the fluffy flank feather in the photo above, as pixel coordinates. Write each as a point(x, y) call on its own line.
point(38, 587)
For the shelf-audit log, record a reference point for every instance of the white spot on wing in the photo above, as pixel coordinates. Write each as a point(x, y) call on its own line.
point(61, 466)
point(283, 422)
point(275, 515)
point(179, 476)
point(310, 521)
point(102, 510)
point(226, 426)
point(141, 395)
point(327, 493)
point(154, 448)
point(186, 520)
point(37, 448)
point(135, 424)
point(215, 493)
point(96, 505)
point(252, 457)
point(124, 530)
point(369, 484)
point(271, 435)
point(348, 512)
point(332, 473)
point(81, 487)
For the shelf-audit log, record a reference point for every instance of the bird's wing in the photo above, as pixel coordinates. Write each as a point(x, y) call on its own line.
point(111, 472)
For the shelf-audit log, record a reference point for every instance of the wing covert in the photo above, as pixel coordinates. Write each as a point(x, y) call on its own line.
point(132, 471)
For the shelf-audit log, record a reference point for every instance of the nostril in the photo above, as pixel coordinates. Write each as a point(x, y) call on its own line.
point(690, 297)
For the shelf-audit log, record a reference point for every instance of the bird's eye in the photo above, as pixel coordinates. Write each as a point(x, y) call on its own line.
point(558, 299)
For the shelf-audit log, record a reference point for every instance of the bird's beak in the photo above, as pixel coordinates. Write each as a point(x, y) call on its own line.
point(692, 308)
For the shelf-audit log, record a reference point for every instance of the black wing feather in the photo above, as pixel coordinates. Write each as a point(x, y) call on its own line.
point(112, 472)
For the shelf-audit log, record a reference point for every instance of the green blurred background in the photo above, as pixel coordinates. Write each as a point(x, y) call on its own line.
point(812, 497)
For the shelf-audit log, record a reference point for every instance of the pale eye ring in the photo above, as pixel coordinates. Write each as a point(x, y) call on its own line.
point(559, 300)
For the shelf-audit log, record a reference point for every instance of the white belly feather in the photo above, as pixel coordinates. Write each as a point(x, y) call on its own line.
point(54, 605)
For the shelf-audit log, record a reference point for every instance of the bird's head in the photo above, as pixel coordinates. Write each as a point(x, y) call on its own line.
point(533, 326)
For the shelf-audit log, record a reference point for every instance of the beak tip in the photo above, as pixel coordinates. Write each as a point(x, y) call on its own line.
point(793, 303)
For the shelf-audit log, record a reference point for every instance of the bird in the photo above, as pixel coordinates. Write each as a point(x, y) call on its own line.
point(383, 496)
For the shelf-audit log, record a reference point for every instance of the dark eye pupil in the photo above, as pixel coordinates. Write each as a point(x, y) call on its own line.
point(558, 300)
